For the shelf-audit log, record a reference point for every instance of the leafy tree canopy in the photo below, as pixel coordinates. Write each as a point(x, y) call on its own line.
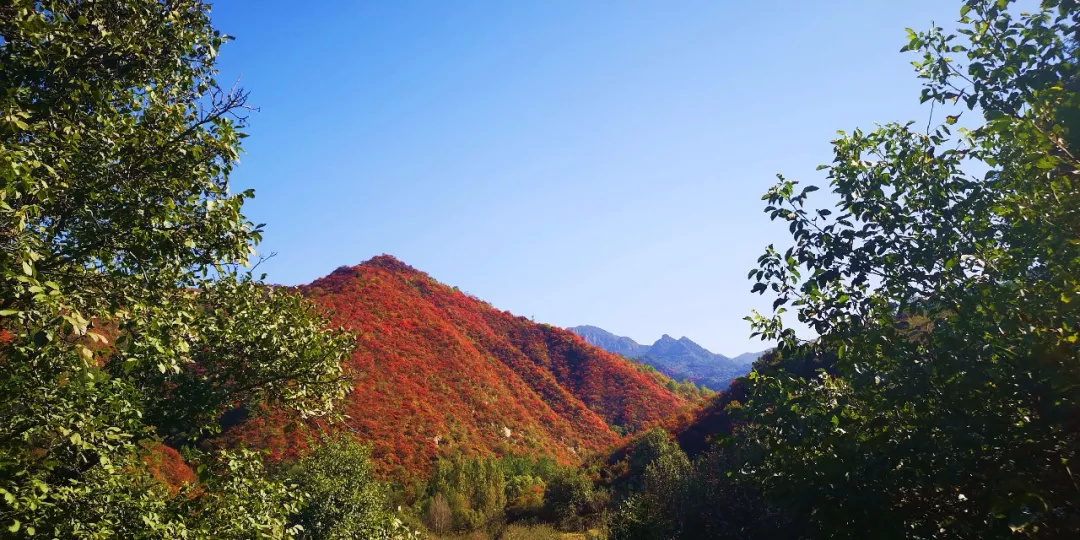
point(947, 281)
point(125, 310)
point(343, 498)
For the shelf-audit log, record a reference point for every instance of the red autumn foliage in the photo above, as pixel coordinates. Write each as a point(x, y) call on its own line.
point(438, 371)
point(167, 466)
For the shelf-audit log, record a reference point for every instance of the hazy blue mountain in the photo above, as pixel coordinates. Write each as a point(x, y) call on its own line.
point(748, 358)
point(610, 342)
point(682, 351)
point(677, 358)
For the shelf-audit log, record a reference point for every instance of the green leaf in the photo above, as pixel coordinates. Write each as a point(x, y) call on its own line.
point(1047, 162)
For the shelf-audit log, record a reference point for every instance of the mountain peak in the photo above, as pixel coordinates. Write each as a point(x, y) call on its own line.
point(591, 328)
point(599, 337)
point(389, 262)
point(384, 261)
point(677, 358)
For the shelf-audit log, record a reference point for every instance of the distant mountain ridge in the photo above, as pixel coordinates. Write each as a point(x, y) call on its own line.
point(610, 342)
point(677, 358)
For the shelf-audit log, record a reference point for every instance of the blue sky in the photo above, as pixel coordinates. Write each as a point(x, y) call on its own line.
point(578, 162)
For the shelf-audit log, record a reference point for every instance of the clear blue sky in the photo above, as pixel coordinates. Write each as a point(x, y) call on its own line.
point(579, 162)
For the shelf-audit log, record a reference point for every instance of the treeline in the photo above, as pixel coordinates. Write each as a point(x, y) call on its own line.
point(487, 494)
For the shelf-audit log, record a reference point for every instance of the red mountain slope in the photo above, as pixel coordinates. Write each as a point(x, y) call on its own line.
point(438, 371)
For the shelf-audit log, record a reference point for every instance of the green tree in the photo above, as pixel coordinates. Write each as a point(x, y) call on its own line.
point(655, 506)
point(238, 501)
point(946, 280)
point(125, 311)
point(572, 501)
point(647, 449)
point(473, 488)
point(524, 496)
point(342, 497)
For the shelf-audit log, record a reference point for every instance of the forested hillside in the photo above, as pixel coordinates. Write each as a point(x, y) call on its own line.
point(439, 372)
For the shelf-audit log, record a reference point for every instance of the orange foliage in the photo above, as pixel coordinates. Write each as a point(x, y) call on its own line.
point(438, 371)
point(167, 466)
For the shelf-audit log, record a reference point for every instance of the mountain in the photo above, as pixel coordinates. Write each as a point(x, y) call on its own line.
point(621, 345)
point(748, 357)
point(677, 358)
point(438, 372)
